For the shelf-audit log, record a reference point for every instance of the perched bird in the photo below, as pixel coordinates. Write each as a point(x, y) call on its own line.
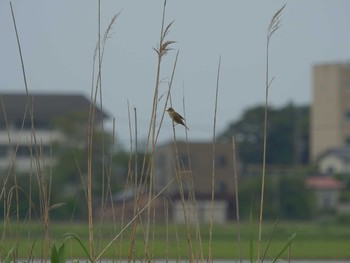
point(177, 118)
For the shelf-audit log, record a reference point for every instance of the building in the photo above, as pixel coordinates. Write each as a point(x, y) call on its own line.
point(330, 111)
point(326, 191)
point(17, 138)
point(195, 161)
point(335, 161)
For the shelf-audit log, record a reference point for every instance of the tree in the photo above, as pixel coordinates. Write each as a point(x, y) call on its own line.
point(285, 197)
point(109, 166)
point(287, 135)
point(296, 201)
point(249, 198)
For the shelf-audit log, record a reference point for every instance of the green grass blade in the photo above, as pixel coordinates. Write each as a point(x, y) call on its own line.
point(251, 241)
point(290, 241)
point(62, 253)
point(9, 255)
point(77, 238)
point(54, 254)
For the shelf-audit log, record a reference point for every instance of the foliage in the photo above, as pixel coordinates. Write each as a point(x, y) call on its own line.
point(249, 197)
point(70, 165)
point(285, 197)
point(22, 196)
point(343, 219)
point(314, 240)
point(296, 202)
point(344, 196)
point(287, 135)
point(58, 255)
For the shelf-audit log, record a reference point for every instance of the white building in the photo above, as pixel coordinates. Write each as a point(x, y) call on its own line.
point(18, 136)
point(326, 190)
point(335, 161)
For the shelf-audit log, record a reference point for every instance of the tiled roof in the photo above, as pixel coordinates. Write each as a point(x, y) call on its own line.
point(323, 183)
point(45, 106)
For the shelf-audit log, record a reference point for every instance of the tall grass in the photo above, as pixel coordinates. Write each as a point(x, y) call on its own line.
point(44, 181)
point(273, 26)
point(141, 182)
point(210, 257)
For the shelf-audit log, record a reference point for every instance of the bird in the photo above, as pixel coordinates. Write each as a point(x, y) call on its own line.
point(177, 118)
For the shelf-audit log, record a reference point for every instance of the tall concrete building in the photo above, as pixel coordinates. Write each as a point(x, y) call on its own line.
point(330, 111)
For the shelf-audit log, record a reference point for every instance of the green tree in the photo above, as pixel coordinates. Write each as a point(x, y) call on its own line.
point(285, 197)
point(296, 201)
point(287, 135)
point(249, 198)
point(109, 165)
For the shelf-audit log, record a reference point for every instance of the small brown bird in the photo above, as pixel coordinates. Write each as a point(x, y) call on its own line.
point(177, 118)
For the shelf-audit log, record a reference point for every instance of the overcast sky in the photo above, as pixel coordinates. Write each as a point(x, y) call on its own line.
point(58, 39)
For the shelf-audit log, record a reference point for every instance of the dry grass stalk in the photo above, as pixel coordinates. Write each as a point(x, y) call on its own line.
point(179, 178)
point(43, 182)
point(132, 220)
point(191, 194)
point(182, 176)
point(210, 256)
point(148, 164)
point(161, 51)
point(272, 27)
point(237, 200)
point(94, 91)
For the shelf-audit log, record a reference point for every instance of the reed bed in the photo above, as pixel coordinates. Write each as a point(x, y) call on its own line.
point(140, 180)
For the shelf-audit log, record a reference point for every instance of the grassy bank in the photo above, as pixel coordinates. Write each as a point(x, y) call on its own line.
point(314, 241)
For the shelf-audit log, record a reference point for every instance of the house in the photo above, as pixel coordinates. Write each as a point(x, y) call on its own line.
point(17, 138)
point(335, 161)
point(190, 167)
point(326, 191)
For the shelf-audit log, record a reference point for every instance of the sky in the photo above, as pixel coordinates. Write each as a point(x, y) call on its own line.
point(58, 40)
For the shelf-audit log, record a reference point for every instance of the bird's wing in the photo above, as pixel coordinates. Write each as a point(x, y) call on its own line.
point(182, 117)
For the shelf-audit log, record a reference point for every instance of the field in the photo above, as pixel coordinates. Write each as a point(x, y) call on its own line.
point(313, 240)
point(145, 239)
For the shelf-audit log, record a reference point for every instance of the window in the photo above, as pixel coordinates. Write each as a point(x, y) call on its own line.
point(327, 201)
point(3, 151)
point(184, 161)
point(31, 150)
point(44, 150)
point(347, 86)
point(42, 125)
point(347, 141)
point(220, 161)
point(347, 116)
point(161, 161)
point(330, 170)
point(220, 187)
point(27, 125)
point(23, 151)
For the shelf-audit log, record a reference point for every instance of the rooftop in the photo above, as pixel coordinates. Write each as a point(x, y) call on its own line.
point(323, 183)
point(341, 152)
point(45, 106)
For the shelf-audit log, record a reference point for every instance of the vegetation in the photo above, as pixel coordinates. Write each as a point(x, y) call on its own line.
point(286, 197)
point(89, 162)
point(315, 240)
point(287, 135)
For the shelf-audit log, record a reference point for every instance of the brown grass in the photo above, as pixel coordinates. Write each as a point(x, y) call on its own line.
point(139, 181)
